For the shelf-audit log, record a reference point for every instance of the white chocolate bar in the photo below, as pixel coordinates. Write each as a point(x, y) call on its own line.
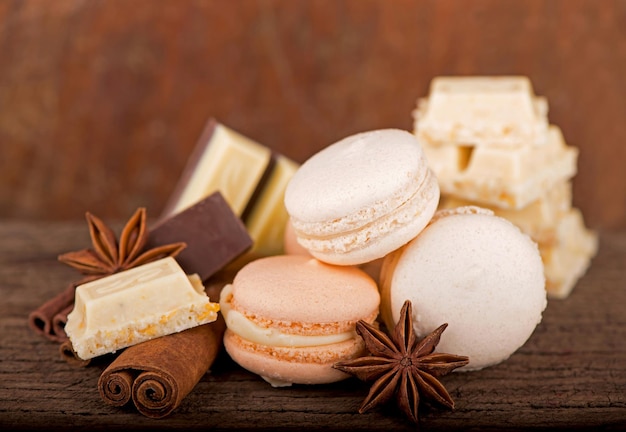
point(567, 260)
point(267, 220)
point(539, 219)
point(230, 163)
point(481, 110)
point(136, 305)
point(505, 177)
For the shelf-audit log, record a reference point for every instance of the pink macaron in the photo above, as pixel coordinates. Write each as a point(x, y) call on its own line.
point(289, 318)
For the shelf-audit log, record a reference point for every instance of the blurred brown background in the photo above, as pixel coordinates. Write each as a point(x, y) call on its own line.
point(101, 102)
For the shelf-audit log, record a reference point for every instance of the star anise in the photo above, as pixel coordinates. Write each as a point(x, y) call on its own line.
point(403, 365)
point(108, 256)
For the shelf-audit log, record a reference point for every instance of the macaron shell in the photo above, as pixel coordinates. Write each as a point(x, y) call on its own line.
point(303, 291)
point(370, 171)
point(311, 365)
point(476, 272)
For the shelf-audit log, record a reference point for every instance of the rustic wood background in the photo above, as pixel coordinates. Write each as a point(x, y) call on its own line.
point(101, 101)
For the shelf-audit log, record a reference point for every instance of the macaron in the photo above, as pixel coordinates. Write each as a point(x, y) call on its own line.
point(475, 271)
point(289, 318)
point(362, 197)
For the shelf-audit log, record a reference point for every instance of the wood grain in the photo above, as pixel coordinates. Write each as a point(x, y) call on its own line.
point(101, 103)
point(570, 375)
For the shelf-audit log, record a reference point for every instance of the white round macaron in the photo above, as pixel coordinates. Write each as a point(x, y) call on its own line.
point(475, 271)
point(362, 197)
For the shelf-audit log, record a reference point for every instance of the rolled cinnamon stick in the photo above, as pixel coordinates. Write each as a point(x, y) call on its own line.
point(41, 319)
point(158, 374)
point(117, 388)
point(60, 319)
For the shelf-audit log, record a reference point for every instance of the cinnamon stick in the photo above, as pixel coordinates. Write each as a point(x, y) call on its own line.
point(60, 319)
point(158, 374)
point(41, 319)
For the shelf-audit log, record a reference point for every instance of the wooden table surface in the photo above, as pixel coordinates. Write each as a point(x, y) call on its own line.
point(571, 374)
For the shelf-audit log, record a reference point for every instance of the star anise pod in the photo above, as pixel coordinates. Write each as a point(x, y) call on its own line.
point(402, 365)
point(109, 256)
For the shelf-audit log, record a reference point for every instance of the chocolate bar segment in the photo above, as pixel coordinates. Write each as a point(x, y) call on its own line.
point(482, 110)
point(267, 218)
point(506, 177)
point(223, 160)
point(136, 305)
point(567, 258)
point(215, 236)
point(538, 219)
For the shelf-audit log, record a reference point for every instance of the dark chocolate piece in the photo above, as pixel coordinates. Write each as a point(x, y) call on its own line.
point(215, 236)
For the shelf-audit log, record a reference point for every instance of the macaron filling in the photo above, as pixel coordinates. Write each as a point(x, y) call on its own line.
point(245, 328)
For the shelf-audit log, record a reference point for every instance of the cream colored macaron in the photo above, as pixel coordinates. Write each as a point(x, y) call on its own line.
point(290, 318)
point(362, 197)
point(475, 271)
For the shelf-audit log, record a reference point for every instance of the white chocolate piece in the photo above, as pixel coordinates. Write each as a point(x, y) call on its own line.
point(230, 163)
point(267, 220)
point(567, 259)
point(481, 110)
point(509, 178)
point(539, 219)
point(136, 305)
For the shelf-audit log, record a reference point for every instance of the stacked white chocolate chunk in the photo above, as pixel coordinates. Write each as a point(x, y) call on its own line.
point(489, 141)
